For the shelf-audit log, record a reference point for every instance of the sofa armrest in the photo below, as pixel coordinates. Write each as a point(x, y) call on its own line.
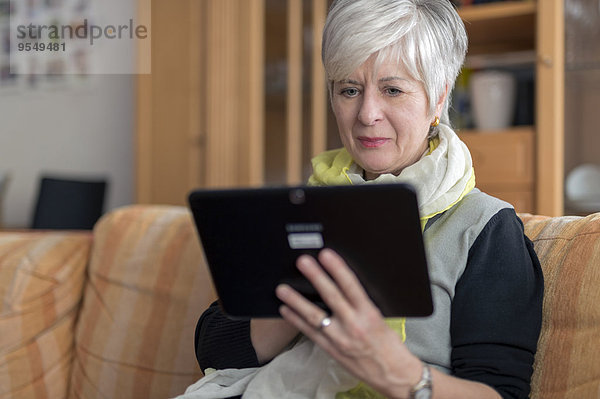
point(566, 364)
point(147, 286)
point(41, 280)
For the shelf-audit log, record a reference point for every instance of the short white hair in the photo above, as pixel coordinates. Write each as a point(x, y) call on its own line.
point(426, 36)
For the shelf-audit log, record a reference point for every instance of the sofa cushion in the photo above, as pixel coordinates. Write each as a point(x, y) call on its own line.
point(567, 362)
point(147, 287)
point(41, 280)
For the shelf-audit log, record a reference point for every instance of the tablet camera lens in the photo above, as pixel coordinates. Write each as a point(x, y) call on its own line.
point(297, 196)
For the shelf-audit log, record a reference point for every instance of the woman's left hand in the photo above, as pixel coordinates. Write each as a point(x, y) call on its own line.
point(357, 335)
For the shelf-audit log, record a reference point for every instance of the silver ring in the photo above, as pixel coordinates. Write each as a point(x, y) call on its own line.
point(324, 323)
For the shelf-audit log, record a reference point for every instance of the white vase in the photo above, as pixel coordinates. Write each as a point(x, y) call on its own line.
point(493, 96)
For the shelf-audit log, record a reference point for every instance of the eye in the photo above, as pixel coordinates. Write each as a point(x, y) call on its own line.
point(392, 91)
point(350, 92)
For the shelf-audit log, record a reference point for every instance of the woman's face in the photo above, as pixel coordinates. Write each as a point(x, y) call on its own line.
point(383, 118)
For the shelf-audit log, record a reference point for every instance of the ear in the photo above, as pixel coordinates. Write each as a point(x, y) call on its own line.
point(440, 103)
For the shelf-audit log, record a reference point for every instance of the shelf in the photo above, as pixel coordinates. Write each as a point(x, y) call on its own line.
point(516, 59)
point(500, 27)
point(518, 130)
point(485, 12)
point(523, 165)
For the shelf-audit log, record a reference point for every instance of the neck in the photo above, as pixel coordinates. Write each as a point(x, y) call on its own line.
point(367, 175)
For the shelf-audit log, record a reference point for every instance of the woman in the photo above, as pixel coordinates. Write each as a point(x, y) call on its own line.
point(391, 65)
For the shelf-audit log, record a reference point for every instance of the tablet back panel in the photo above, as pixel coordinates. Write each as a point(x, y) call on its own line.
point(252, 238)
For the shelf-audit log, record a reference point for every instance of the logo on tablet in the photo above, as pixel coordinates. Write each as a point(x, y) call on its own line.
point(305, 235)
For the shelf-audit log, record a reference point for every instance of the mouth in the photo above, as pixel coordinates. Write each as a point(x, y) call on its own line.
point(372, 142)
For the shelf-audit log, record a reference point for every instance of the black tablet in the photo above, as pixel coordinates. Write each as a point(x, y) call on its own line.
point(252, 238)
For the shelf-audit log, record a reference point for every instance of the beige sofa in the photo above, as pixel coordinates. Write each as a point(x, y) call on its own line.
point(112, 314)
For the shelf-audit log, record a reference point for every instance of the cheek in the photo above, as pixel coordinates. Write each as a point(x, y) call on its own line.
point(418, 120)
point(344, 117)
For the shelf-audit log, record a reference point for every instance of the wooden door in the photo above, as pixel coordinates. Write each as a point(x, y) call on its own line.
point(200, 113)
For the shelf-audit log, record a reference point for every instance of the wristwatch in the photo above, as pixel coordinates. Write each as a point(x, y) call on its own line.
point(422, 389)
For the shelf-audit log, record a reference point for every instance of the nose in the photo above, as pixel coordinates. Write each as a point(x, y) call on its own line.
point(370, 111)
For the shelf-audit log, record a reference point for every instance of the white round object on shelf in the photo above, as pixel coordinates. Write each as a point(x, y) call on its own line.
point(582, 187)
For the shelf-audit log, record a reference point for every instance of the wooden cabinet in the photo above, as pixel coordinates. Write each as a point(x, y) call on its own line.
point(523, 165)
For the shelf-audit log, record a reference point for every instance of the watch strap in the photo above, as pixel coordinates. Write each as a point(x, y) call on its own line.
point(422, 389)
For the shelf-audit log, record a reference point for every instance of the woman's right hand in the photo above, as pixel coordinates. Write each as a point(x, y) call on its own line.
point(270, 337)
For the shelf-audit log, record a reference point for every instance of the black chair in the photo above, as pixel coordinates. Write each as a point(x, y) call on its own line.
point(67, 204)
point(4, 180)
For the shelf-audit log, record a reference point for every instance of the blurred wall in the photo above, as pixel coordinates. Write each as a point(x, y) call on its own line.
point(78, 127)
point(80, 131)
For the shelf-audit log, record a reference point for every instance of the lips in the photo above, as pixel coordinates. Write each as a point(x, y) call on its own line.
point(372, 142)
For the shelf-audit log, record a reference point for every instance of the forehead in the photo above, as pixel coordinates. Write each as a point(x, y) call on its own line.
point(377, 68)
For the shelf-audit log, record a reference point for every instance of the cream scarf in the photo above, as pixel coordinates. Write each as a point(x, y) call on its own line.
point(441, 178)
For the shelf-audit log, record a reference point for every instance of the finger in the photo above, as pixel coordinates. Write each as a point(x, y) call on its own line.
point(344, 277)
point(307, 327)
point(300, 305)
point(331, 338)
point(318, 335)
point(325, 286)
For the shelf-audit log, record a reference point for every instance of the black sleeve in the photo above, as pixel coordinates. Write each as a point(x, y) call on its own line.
point(497, 309)
point(222, 342)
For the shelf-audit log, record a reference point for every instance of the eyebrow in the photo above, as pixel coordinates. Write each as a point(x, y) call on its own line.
point(343, 81)
point(386, 79)
point(390, 78)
